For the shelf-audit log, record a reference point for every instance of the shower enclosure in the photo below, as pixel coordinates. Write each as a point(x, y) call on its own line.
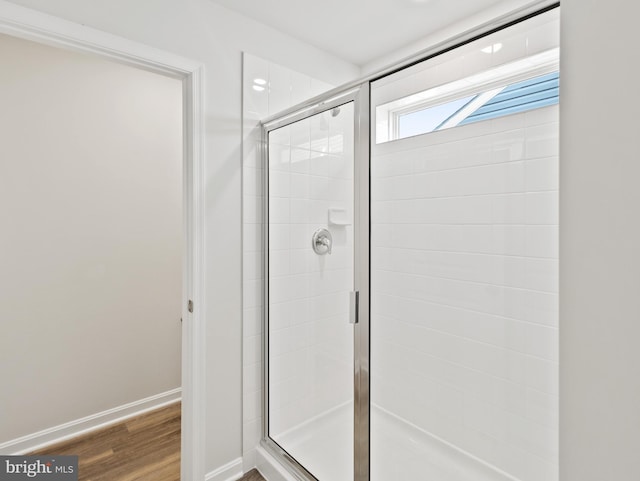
point(411, 267)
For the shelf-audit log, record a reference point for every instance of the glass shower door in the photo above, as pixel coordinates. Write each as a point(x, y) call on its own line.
point(310, 272)
point(464, 262)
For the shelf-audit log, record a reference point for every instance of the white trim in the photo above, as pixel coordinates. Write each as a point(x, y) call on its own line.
point(41, 27)
point(229, 472)
point(37, 26)
point(89, 423)
point(270, 468)
point(470, 108)
point(388, 113)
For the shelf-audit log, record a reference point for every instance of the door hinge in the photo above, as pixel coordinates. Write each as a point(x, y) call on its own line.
point(190, 305)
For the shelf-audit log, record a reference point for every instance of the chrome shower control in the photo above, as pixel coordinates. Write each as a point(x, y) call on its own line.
point(321, 242)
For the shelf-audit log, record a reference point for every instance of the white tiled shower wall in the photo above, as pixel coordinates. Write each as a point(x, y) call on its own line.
point(465, 288)
point(465, 269)
point(283, 88)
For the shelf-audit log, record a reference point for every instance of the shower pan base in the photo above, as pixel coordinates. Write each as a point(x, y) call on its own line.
point(399, 451)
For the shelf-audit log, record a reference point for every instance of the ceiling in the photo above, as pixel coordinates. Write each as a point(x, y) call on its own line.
point(360, 31)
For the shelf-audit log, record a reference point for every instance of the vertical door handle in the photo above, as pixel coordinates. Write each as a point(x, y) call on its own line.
point(354, 306)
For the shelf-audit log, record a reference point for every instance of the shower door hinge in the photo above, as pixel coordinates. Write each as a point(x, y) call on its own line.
point(354, 306)
point(190, 305)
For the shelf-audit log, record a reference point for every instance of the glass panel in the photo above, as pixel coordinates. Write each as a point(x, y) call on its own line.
point(464, 272)
point(311, 370)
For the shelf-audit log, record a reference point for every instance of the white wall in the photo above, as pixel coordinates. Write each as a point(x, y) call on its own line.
point(91, 209)
point(204, 31)
point(599, 239)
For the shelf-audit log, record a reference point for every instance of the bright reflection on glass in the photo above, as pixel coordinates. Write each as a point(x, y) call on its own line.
point(428, 120)
point(496, 47)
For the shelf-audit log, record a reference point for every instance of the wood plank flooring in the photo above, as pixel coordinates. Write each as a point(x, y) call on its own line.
point(143, 448)
point(252, 475)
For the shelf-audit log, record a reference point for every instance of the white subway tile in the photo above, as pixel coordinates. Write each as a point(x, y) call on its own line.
point(301, 311)
point(319, 164)
point(508, 209)
point(542, 408)
point(318, 188)
point(542, 241)
point(299, 211)
point(542, 208)
point(279, 210)
point(279, 264)
point(542, 375)
point(540, 307)
point(508, 145)
point(340, 166)
point(318, 212)
point(532, 437)
point(542, 341)
point(279, 236)
point(300, 134)
point(542, 174)
point(300, 161)
point(542, 141)
point(279, 183)
point(300, 235)
point(319, 124)
point(541, 274)
point(545, 115)
point(280, 315)
point(299, 261)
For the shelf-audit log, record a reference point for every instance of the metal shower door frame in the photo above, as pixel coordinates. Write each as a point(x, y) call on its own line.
point(358, 91)
point(360, 97)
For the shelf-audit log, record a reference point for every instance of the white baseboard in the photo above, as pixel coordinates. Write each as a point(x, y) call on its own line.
point(229, 472)
point(87, 424)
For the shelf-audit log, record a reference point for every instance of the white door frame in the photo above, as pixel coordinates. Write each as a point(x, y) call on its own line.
point(36, 26)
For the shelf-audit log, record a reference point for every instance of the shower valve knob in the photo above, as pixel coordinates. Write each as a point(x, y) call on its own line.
point(322, 242)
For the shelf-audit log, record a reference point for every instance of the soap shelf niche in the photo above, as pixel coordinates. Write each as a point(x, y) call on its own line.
point(339, 217)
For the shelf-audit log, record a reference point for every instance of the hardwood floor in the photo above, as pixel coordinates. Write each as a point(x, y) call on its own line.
point(143, 448)
point(252, 475)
